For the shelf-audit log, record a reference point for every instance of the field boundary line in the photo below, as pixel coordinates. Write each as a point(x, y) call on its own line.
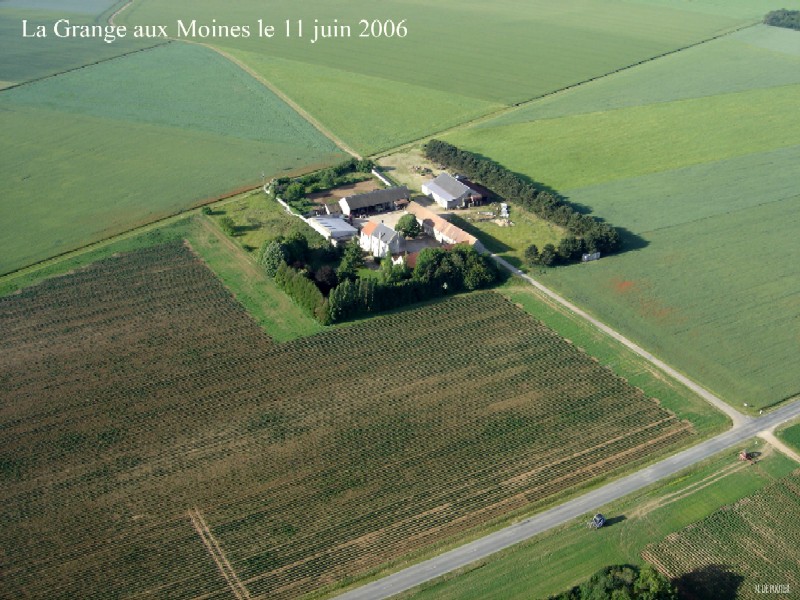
point(86, 66)
point(736, 417)
point(523, 103)
point(214, 549)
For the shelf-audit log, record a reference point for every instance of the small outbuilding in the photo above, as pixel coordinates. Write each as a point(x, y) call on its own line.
point(449, 192)
point(380, 240)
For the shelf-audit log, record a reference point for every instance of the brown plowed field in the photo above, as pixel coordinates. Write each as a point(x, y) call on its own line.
point(137, 390)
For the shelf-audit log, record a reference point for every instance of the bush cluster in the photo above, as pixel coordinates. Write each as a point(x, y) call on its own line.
point(587, 233)
point(624, 582)
point(783, 18)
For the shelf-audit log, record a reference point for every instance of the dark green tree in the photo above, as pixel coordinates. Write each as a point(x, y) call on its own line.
point(408, 226)
point(548, 256)
point(352, 261)
point(532, 255)
point(272, 257)
point(294, 192)
point(227, 225)
point(570, 248)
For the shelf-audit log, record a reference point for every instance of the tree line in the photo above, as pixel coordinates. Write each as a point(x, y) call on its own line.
point(783, 18)
point(331, 296)
point(587, 234)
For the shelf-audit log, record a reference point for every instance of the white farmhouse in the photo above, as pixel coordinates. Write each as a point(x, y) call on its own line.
point(447, 191)
point(380, 240)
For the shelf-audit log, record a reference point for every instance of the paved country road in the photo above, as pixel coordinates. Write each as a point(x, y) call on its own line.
point(744, 427)
point(485, 546)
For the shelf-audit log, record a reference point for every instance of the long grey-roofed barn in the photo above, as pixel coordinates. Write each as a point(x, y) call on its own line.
point(377, 199)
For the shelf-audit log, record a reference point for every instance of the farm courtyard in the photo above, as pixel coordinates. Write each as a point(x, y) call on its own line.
point(155, 429)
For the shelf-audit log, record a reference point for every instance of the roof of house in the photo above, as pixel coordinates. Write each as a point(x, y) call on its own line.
point(446, 186)
point(334, 226)
point(447, 229)
point(375, 197)
point(380, 231)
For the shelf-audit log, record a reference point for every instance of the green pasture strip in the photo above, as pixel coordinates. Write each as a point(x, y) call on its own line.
point(631, 367)
point(25, 59)
point(714, 298)
point(370, 113)
point(272, 309)
point(705, 191)
point(556, 560)
point(160, 87)
point(790, 435)
point(587, 149)
point(756, 57)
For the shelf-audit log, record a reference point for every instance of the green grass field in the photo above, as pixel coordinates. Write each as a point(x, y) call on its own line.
point(460, 59)
point(596, 147)
point(98, 151)
point(701, 175)
point(25, 59)
point(556, 560)
point(790, 435)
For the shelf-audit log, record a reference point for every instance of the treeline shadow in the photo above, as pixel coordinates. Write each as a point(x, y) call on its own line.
point(710, 582)
point(630, 241)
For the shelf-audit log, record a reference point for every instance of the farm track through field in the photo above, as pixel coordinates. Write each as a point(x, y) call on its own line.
point(296, 107)
point(214, 549)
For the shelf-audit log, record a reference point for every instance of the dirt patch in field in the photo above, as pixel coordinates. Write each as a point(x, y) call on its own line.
point(343, 191)
point(623, 287)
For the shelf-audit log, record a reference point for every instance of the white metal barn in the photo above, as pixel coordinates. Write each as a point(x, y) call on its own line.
point(447, 191)
point(333, 229)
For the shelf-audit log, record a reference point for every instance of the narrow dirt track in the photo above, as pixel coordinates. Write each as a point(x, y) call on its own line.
point(214, 549)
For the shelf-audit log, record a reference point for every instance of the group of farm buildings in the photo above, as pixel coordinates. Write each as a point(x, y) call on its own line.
point(379, 239)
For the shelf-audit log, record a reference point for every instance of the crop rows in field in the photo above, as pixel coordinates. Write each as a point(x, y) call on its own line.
point(138, 389)
point(739, 548)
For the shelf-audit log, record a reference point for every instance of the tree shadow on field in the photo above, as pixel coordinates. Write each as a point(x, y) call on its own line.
point(614, 520)
point(711, 582)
